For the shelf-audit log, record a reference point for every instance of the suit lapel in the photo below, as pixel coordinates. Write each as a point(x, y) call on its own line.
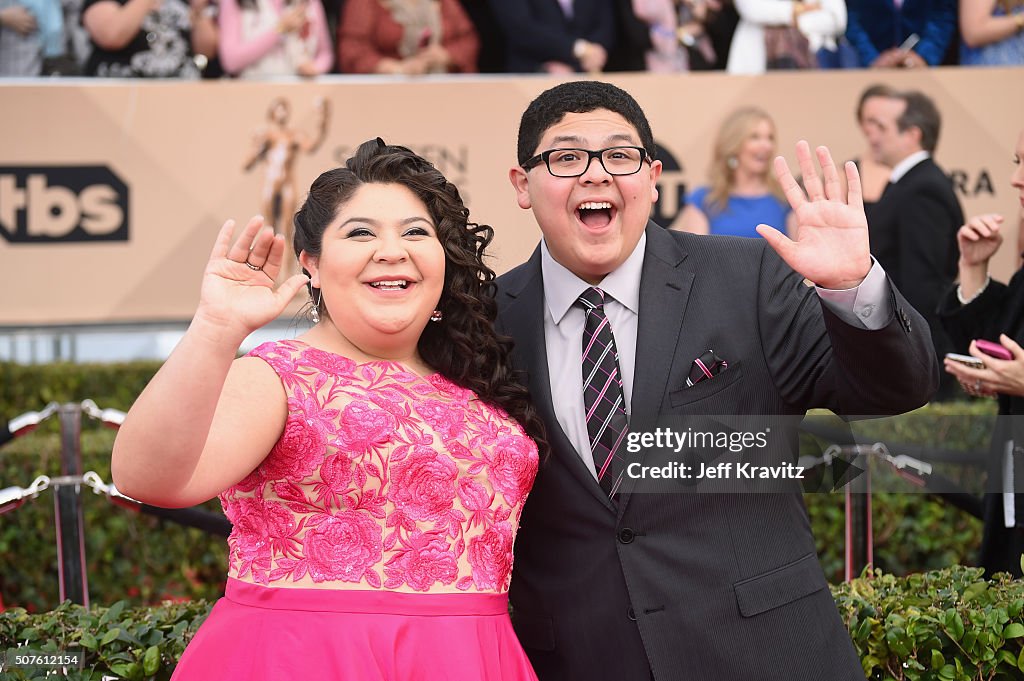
point(664, 293)
point(524, 318)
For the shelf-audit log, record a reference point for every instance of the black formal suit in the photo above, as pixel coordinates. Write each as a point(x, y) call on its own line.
point(538, 31)
point(913, 234)
point(703, 587)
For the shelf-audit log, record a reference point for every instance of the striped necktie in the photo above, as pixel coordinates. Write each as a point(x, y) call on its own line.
point(603, 399)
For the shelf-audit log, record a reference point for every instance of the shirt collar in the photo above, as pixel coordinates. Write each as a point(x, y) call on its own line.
point(562, 288)
point(904, 166)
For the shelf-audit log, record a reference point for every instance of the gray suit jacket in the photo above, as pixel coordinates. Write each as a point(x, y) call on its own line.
point(698, 586)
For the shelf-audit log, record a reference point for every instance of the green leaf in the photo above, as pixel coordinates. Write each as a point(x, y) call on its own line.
point(869, 663)
point(969, 639)
point(178, 629)
point(130, 670)
point(938, 661)
point(1015, 608)
point(1015, 630)
point(116, 609)
point(955, 626)
point(151, 661)
point(110, 636)
point(28, 634)
point(88, 641)
point(1005, 656)
point(947, 673)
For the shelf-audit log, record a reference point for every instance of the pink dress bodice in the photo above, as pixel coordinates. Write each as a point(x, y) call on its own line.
point(381, 480)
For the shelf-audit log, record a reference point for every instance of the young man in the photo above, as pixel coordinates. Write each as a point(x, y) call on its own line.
point(610, 584)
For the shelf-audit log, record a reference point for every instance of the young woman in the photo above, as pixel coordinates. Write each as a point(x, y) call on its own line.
point(374, 468)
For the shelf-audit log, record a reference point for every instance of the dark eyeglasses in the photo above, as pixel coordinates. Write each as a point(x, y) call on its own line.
point(575, 162)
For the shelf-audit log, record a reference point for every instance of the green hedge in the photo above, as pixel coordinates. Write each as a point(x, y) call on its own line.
point(129, 555)
point(31, 387)
point(130, 643)
point(946, 625)
point(145, 561)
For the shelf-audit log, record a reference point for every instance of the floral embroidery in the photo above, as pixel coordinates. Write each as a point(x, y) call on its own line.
point(303, 443)
point(425, 561)
point(381, 479)
point(490, 554)
point(511, 467)
point(423, 484)
point(364, 426)
point(342, 547)
point(329, 362)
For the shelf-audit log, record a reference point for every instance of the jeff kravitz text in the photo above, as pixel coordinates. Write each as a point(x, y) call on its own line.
point(721, 471)
point(728, 440)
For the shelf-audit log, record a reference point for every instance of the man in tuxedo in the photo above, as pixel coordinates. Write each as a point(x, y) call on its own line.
point(610, 583)
point(556, 36)
point(913, 225)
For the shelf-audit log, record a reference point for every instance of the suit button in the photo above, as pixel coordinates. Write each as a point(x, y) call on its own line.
point(626, 535)
point(631, 614)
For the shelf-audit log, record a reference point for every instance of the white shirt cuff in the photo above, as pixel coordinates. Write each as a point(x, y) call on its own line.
point(866, 306)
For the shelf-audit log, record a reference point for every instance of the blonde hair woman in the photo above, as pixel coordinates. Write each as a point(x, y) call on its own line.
point(741, 192)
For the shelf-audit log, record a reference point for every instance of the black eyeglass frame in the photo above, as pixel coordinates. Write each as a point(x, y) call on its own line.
point(533, 162)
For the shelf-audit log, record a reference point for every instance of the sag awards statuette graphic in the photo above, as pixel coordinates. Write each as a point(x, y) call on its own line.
point(276, 146)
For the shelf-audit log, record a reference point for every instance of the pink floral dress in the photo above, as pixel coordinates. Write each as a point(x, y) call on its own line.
point(375, 539)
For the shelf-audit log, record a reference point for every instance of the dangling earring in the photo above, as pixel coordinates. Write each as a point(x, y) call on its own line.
point(732, 162)
point(436, 316)
point(315, 314)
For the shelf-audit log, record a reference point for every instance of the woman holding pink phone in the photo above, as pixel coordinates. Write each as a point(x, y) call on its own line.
point(975, 314)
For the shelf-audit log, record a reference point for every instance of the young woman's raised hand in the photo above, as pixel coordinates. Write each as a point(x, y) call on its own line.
point(238, 294)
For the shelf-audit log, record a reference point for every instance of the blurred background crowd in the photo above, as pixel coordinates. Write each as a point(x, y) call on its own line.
point(305, 38)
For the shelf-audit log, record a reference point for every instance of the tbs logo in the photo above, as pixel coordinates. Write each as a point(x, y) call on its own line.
point(671, 189)
point(62, 204)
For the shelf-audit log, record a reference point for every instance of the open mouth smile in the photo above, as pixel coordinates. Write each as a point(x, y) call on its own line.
point(595, 214)
point(390, 284)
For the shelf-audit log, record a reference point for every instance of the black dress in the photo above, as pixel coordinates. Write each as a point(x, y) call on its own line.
point(999, 309)
point(161, 49)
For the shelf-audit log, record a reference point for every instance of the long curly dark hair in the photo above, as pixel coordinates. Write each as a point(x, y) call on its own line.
point(464, 346)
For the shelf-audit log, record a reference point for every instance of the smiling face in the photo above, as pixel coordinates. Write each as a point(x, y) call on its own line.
point(380, 270)
point(591, 223)
point(758, 149)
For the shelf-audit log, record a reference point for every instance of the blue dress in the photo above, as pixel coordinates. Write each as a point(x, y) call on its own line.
point(742, 214)
point(1008, 52)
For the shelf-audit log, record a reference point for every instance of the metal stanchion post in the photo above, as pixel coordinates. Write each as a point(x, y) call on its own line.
point(67, 500)
point(859, 540)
